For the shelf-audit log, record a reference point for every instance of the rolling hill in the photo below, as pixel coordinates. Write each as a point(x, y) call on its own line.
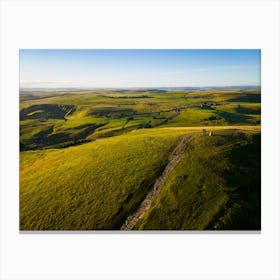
point(89, 159)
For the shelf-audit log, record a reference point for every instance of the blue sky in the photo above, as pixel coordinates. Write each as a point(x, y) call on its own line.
point(138, 68)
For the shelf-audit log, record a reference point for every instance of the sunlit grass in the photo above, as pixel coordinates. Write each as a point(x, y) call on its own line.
point(91, 186)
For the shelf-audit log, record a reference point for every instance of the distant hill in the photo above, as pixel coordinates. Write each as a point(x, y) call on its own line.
point(137, 89)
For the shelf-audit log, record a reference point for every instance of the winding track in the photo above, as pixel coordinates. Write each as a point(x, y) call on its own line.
point(132, 220)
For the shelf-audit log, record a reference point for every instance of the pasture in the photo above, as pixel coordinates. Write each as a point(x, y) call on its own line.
point(49, 120)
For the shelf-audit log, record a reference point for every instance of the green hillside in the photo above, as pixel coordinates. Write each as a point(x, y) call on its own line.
point(91, 186)
point(216, 185)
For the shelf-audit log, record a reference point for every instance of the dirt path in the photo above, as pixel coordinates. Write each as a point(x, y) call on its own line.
point(132, 220)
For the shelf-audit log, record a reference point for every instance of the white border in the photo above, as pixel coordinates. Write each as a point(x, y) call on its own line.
point(135, 24)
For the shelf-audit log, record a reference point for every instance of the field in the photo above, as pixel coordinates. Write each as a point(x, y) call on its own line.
point(89, 159)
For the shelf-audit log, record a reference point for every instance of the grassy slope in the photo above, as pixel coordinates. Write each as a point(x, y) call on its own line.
point(216, 185)
point(91, 186)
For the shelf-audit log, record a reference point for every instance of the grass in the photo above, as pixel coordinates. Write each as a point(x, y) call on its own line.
point(91, 186)
point(67, 183)
point(196, 117)
point(78, 117)
point(216, 185)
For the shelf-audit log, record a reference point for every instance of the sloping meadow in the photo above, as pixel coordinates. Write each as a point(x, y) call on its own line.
point(215, 186)
point(91, 186)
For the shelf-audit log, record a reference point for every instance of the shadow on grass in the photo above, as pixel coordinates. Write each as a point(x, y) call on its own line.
point(243, 209)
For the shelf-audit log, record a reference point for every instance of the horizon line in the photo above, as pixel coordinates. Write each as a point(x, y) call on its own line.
point(133, 87)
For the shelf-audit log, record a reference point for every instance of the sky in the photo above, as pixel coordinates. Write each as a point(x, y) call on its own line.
point(138, 68)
